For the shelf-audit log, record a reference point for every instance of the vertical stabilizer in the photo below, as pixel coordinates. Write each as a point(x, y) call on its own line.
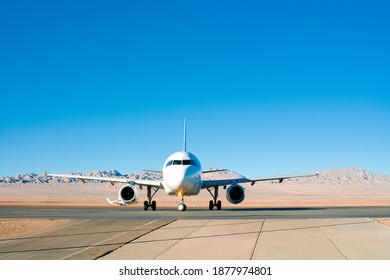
point(185, 137)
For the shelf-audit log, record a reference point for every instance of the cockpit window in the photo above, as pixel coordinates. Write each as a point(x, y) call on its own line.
point(182, 162)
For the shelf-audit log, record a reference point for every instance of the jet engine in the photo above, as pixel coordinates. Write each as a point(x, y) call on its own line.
point(235, 194)
point(128, 194)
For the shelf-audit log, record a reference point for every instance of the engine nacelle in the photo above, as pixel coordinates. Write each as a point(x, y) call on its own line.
point(235, 194)
point(128, 194)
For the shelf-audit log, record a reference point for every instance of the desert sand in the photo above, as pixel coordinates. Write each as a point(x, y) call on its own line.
point(383, 221)
point(259, 195)
point(18, 227)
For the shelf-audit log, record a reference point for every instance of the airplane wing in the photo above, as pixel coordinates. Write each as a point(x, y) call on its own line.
point(112, 180)
point(280, 178)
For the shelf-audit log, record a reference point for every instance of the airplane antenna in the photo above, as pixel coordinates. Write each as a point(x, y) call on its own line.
point(185, 137)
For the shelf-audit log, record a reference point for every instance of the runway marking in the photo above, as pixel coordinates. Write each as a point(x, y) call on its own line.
point(101, 242)
point(42, 232)
point(331, 240)
point(257, 240)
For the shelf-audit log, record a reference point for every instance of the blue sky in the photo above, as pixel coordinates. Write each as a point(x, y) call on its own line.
point(267, 87)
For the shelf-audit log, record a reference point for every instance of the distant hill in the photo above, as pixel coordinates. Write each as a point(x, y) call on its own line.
point(344, 176)
point(42, 179)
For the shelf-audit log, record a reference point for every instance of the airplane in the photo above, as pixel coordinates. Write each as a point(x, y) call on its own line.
point(181, 175)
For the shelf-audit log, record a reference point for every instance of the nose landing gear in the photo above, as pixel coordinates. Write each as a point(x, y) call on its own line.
point(181, 206)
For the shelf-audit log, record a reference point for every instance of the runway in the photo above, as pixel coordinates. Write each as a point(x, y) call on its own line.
point(194, 213)
point(240, 234)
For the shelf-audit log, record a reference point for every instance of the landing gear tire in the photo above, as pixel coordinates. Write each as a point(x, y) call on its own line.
point(181, 207)
point(153, 205)
point(219, 205)
point(214, 203)
point(149, 203)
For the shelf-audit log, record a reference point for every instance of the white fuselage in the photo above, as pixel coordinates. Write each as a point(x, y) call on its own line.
point(182, 174)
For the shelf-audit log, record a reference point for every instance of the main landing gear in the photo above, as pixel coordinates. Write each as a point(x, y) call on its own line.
point(149, 203)
point(214, 203)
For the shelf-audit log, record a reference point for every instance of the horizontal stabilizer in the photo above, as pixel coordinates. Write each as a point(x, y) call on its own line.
point(153, 171)
point(214, 170)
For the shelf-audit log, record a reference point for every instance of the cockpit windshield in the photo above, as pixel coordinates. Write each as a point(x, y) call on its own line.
point(182, 162)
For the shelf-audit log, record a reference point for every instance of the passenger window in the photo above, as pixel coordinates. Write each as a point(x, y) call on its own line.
point(187, 162)
point(177, 162)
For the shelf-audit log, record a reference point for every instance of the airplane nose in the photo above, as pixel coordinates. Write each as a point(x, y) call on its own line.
point(181, 179)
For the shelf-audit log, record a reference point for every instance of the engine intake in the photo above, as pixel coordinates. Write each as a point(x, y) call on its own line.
point(235, 194)
point(128, 194)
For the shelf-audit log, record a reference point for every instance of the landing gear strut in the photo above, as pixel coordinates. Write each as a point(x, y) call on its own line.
point(181, 206)
point(215, 202)
point(149, 203)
